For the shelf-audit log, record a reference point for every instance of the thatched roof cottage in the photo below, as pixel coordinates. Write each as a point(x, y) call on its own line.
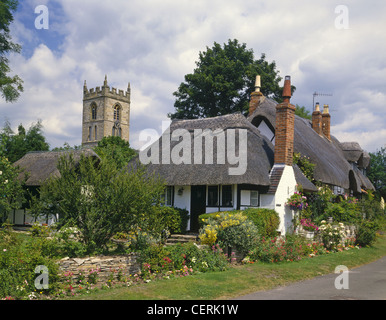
point(36, 168)
point(261, 148)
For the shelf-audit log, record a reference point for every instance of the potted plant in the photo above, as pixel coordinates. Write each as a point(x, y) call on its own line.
point(297, 202)
point(309, 228)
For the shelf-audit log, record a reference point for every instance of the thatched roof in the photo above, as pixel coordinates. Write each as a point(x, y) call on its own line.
point(354, 153)
point(259, 155)
point(39, 166)
point(332, 166)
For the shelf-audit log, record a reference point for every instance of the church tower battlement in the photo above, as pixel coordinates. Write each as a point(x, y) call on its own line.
point(106, 112)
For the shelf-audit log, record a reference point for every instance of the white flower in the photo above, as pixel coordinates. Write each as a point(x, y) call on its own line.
point(1, 172)
point(6, 181)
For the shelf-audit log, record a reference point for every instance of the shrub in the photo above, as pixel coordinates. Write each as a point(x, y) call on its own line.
point(18, 261)
point(153, 256)
point(182, 259)
point(40, 230)
point(230, 230)
point(319, 203)
point(217, 222)
point(366, 233)
point(243, 237)
point(139, 239)
point(331, 235)
point(204, 218)
point(266, 220)
point(347, 210)
point(98, 198)
point(63, 243)
point(172, 219)
point(290, 248)
point(275, 250)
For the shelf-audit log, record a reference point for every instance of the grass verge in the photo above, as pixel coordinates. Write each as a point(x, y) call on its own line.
point(241, 279)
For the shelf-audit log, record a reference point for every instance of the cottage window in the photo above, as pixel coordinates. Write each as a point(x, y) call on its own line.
point(226, 196)
point(212, 196)
point(168, 196)
point(254, 200)
point(89, 133)
point(96, 133)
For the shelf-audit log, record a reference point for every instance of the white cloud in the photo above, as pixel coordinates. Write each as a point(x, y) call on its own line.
point(153, 45)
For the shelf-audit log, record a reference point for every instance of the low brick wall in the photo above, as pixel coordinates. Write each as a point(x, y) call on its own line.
point(106, 265)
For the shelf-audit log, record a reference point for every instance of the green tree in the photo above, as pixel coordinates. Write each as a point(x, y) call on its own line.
point(98, 198)
point(223, 81)
point(67, 147)
point(115, 149)
point(17, 145)
point(10, 86)
point(377, 171)
point(11, 190)
point(303, 112)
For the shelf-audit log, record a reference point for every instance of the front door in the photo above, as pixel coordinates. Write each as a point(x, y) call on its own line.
point(197, 206)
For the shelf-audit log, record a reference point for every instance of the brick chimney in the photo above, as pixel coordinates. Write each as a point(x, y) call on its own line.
point(326, 122)
point(284, 132)
point(317, 119)
point(255, 96)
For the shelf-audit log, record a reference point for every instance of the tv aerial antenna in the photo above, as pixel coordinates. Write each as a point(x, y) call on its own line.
point(318, 94)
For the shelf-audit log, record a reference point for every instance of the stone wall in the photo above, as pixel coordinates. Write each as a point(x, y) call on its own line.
point(106, 266)
point(349, 233)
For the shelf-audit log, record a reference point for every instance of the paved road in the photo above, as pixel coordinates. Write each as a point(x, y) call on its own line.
point(367, 282)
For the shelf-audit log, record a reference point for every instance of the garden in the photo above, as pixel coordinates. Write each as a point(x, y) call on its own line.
point(226, 240)
point(104, 211)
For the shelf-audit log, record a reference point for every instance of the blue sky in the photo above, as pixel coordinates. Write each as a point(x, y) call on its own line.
point(153, 44)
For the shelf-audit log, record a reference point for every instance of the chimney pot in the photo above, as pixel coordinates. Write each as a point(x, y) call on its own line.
point(255, 96)
point(287, 89)
point(257, 84)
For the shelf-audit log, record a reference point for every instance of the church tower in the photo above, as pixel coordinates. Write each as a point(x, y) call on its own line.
point(105, 113)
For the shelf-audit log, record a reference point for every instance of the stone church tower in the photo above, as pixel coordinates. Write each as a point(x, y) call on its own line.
point(105, 113)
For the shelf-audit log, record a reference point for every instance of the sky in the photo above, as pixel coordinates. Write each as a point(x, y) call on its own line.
point(328, 47)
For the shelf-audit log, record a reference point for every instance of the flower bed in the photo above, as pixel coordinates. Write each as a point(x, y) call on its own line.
point(290, 248)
